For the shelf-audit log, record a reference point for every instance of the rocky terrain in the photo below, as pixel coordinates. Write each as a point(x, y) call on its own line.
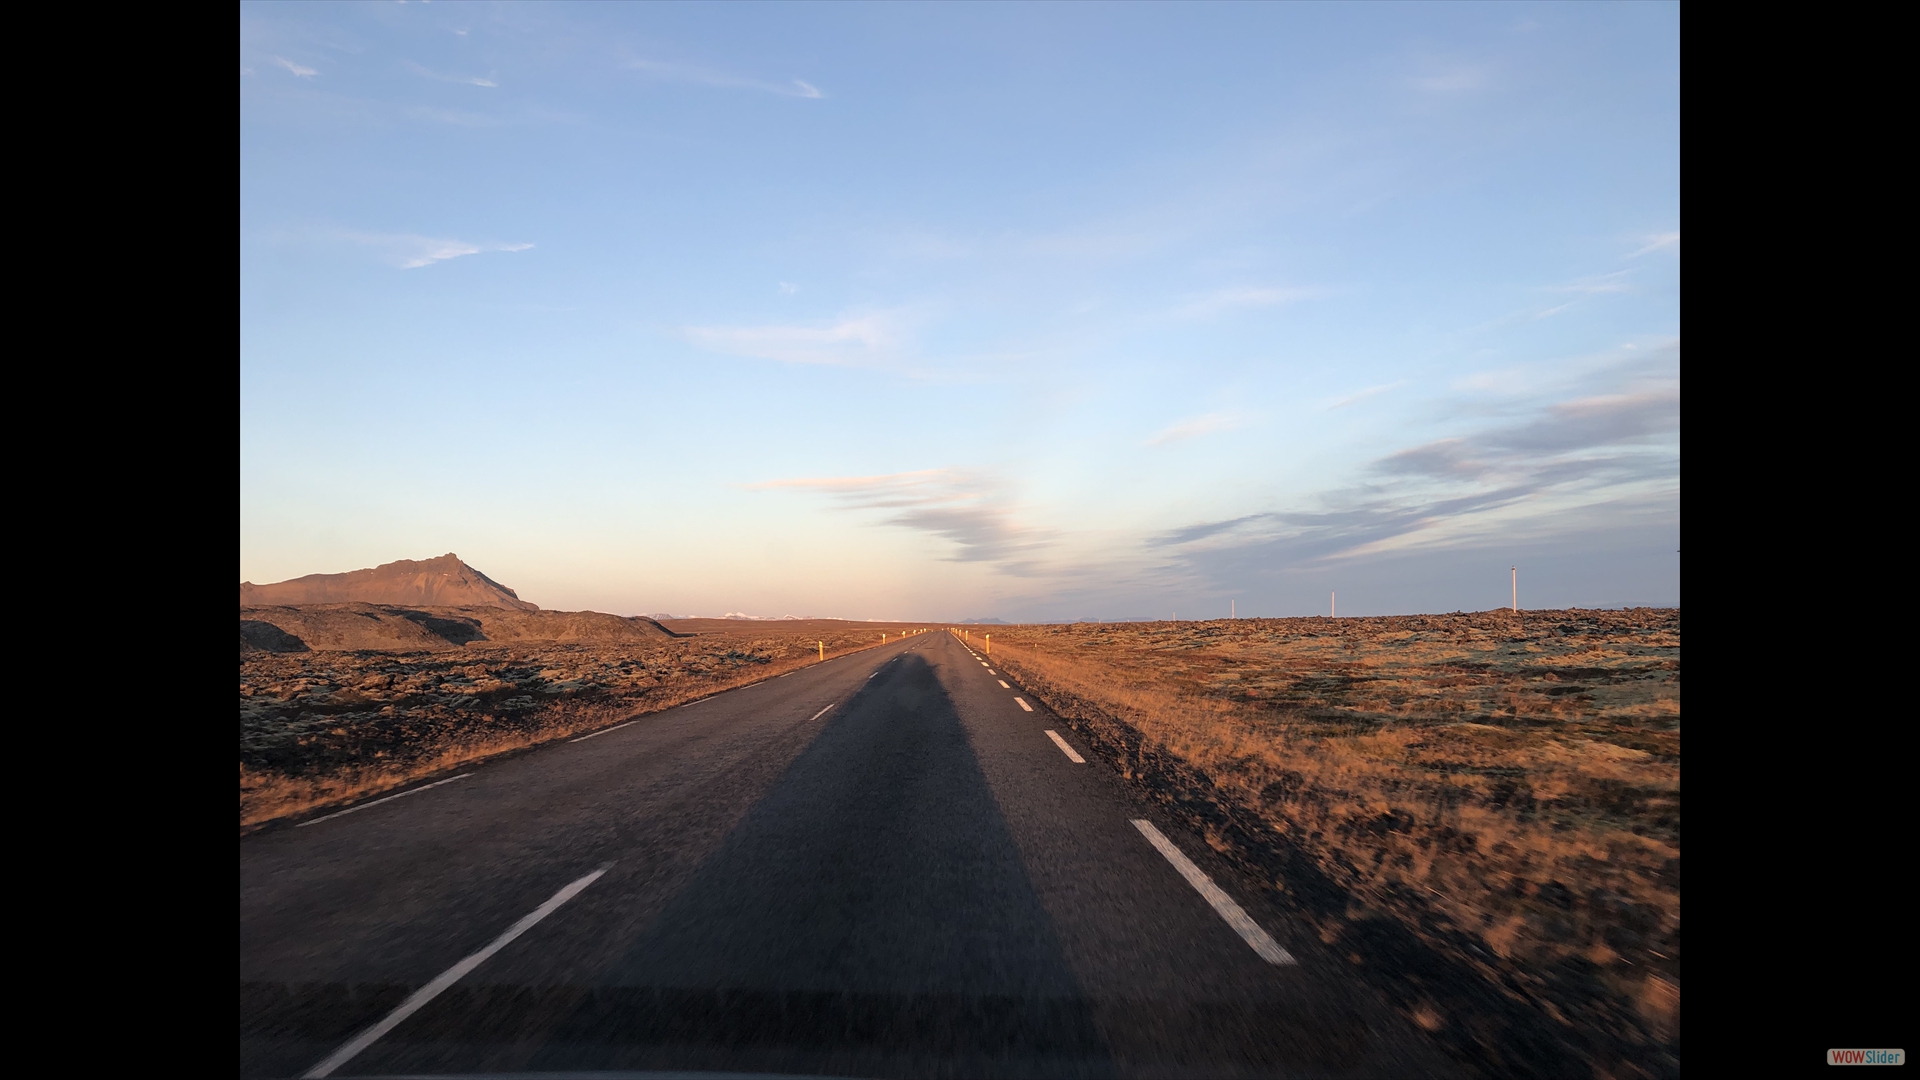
point(309, 627)
point(324, 725)
point(1498, 790)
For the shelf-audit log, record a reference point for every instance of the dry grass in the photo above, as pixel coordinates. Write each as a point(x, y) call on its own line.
point(323, 729)
point(1510, 781)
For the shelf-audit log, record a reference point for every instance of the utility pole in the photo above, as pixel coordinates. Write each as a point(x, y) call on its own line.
point(1516, 590)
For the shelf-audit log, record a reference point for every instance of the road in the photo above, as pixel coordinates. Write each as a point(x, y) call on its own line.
point(882, 865)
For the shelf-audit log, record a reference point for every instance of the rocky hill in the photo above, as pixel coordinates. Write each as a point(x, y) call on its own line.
point(442, 582)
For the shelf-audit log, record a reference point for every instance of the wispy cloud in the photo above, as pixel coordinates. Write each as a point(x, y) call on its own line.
point(1614, 282)
point(1208, 424)
point(788, 288)
point(1656, 242)
point(1362, 395)
point(297, 69)
point(703, 76)
point(410, 251)
point(1456, 79)
point(1245, 296)
point(972, 510)
point(1587, 451)
point(466, 80)
point(851, 341)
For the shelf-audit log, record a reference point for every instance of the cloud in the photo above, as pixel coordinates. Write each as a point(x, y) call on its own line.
point(968, 509)
point(1362, 395)
point(921, 488)
point(1200, 425)
point(1595, 421)
point(1458, 79)
point(1446, 458)
point(1599, 283)
point(700, 76)
point(467, 80)
point(1244, 297)
point(788, 288)
point(459, 117)
point(1546, 469)
point(410, 251)
point(1656, 242)
point(303, 72)
point(852, 341)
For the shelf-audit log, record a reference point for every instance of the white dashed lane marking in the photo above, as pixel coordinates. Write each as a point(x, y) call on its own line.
point(1072, 754)
point(377, 802)
point(1023, 704)
point(603, 731)
point(1003, 682)
point(1242, 923)
point(447, 978)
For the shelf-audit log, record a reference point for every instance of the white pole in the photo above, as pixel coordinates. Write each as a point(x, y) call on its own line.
point(1516, 590)
point(1333, 605)
point(1233, 609)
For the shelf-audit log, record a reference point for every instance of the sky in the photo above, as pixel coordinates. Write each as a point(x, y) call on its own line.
point(1036, 312)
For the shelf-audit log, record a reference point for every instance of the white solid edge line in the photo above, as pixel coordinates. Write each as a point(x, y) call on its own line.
point(1242, 923)
point(377, 802)
point(447, 978)
point(603, 731)
point(818, 715)
point(1003, 682)
point(1023, 704)
point(1072, 755)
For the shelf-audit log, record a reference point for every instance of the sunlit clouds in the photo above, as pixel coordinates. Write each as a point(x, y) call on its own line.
point(972, 511)
point(1194, 427)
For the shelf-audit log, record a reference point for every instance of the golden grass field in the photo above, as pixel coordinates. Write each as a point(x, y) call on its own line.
point(1505, 785)
point(323, 728)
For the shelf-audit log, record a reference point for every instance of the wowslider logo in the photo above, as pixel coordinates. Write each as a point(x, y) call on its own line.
point(1866, 1057)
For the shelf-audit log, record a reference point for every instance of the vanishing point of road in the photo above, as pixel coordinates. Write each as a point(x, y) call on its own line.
point(894, 863)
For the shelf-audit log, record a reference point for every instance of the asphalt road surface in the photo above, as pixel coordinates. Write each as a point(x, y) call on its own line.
point(882, 865)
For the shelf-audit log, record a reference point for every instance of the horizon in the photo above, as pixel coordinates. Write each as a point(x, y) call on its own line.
point(1023, 313)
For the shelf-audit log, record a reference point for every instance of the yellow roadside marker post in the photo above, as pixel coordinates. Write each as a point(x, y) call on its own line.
point(823, 649)
point(989, 644)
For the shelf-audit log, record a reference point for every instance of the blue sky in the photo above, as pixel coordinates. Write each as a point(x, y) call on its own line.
point(1042, 311)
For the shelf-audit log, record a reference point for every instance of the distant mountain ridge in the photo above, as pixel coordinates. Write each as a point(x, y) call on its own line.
point(442, 582)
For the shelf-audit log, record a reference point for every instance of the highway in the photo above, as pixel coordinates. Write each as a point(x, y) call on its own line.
point(893, 863)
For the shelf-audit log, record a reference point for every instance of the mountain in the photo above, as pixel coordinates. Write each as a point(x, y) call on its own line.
point(441, 582)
